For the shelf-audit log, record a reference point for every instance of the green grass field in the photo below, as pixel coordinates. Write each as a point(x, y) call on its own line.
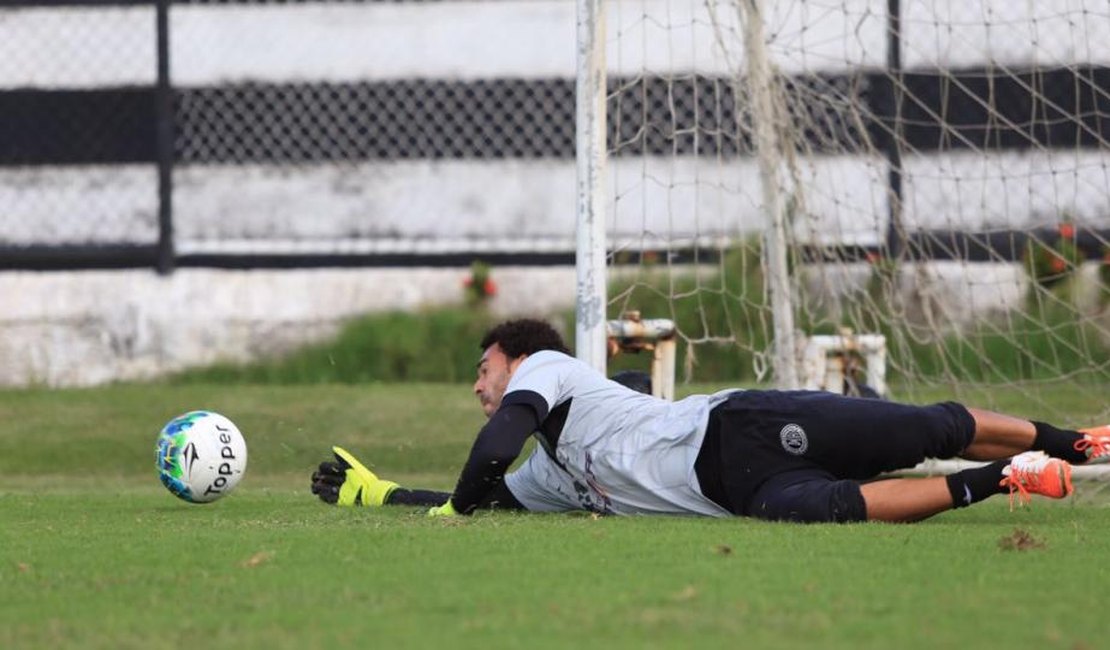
point(95, 554)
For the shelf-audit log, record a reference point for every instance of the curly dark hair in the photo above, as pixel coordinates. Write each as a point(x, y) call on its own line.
point(524, 336)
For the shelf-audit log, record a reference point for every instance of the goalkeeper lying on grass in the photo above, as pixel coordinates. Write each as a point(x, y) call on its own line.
point(797, 455)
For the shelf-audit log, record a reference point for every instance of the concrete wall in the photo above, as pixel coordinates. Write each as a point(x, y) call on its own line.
point(93, 327)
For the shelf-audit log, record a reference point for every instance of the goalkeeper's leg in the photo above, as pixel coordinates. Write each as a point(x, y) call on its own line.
point(861, 439)
point(812, 496)
point(1001, 436)
point(816, 496)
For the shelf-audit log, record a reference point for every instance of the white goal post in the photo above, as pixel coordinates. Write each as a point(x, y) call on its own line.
point(590, 156)
point(935, 174)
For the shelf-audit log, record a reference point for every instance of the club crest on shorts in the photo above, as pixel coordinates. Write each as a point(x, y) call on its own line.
point(794, 439)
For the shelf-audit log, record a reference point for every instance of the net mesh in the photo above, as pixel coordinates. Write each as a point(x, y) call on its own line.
point(944, 178)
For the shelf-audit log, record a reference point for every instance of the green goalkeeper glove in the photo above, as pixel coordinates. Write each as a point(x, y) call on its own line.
point(348, 482)
point(445, 510)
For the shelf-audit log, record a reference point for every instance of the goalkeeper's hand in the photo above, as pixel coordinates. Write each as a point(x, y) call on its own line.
point(347, 482)
point(445, 510)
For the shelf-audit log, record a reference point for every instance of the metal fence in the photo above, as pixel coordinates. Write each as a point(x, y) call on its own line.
point(153, 134)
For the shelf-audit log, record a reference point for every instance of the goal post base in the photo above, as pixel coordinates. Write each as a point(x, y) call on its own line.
point(941, 467)
point(847, 363)
point(631, 333)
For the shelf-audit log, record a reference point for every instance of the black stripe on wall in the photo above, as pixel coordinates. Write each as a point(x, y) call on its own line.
point(492, 119)
point(77, 126)
point(5, 4)
point(1062, 108)
point(511, 118)
point(147, 3)
point(921, 246)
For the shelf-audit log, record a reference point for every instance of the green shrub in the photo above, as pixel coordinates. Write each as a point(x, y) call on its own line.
point(1104, 277)
point(1049, 263)
point(433, 345)
point(1027, 348)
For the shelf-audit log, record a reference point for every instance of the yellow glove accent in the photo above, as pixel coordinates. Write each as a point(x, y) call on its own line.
point(445, 510)
point(361, 485)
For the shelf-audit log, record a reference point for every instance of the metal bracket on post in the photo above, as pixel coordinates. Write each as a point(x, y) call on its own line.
point(831, 362)
point(633, 334)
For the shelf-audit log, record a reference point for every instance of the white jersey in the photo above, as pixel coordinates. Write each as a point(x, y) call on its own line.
point(615, 450)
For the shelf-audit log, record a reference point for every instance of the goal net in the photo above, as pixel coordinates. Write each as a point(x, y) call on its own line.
point(934, 174)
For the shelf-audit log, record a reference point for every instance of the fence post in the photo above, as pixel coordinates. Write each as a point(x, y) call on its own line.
point(164, 129)
point(892, 112)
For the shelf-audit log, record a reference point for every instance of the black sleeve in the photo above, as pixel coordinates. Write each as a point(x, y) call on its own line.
point(497, 446)
point(500, 498)
point(405, 497)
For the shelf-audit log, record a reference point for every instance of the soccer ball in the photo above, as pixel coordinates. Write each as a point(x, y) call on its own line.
point(201, 456)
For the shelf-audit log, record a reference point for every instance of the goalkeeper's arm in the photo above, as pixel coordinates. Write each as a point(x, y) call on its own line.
point(500, 498)
point(498, 444)
point(346, 481)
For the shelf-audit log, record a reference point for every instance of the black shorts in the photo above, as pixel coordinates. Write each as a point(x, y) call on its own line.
point(801, 454)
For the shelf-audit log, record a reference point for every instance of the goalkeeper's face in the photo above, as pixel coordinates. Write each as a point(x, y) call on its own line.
point(494, 372)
